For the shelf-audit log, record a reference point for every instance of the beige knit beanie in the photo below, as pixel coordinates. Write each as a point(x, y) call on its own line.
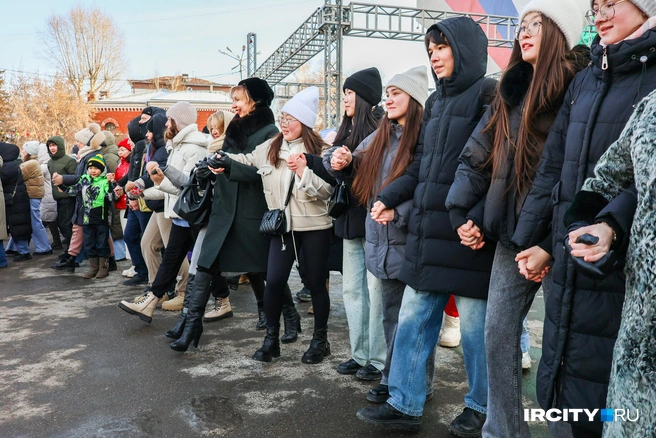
point(85, 135)
point(414, 82)
point(183, 113)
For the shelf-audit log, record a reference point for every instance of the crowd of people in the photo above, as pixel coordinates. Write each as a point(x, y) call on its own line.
point(456, 207)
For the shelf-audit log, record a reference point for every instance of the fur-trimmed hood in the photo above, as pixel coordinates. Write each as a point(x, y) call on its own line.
point(240, 128)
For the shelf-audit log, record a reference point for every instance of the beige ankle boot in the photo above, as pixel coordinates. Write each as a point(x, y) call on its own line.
point(221, 310)
point(450, 332)
point(103, 268)
point(175, 304)
point(93, 268)
point(143, 309)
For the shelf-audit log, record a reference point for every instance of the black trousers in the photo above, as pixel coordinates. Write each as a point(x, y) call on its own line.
point(314, 247)
point(65, 211)
point(181, 241)
point(96, 240)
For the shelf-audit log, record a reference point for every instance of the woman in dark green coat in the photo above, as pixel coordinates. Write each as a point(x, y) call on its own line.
point(232, 241)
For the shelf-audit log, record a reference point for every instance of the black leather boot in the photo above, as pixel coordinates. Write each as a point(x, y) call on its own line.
point(261, 317)
point(271, 345)
point(194, 321)
point(319, 347)
point(468, 424)
point(177, 330)
point(112, 264)
point(292, 324)
point(66, 263)
point(257, 284)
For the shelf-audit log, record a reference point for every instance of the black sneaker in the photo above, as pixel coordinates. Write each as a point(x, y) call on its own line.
point(304, 295)
point(42, 253)
point(23, 257)
point(137, 280)
point(378, 394)
point(11, 252)
point(349, 367)
point(368, 372)
point(386, 416)
point(469, 424)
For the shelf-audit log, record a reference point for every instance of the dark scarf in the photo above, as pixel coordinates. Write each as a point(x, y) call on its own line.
point(241, 128)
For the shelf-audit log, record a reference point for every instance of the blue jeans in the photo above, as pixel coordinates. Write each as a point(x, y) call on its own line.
point(420, 320)
point(3, 256)
point(525, 339)
point(39, 234)
point(96, 240)
point(119, 249)
point(134, 227)
point(364, 308)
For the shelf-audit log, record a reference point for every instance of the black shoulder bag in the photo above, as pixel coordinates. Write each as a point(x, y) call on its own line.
point(274, 222)
point(339, 200)
point(195, 201)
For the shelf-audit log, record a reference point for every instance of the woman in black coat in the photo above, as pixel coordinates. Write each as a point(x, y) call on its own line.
point(582, 314)
point(17, 202)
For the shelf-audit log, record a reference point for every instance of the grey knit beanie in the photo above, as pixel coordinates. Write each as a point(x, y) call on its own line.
point(303, 106)
point(569, 16)
point(183, 113)
point(85, 135)
point(414, 82)
point(32, 148)
point(646, 6)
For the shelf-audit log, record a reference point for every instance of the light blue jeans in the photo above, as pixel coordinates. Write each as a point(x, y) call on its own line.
point(420, 320)
point(119, 249)
point(525, 339)
point(364, 308)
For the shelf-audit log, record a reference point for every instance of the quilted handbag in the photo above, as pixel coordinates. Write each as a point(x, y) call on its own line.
point(274, 222)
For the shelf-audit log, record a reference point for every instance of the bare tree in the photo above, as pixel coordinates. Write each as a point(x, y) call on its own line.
point(43, 107)
point(87, 48)
point(5, 107)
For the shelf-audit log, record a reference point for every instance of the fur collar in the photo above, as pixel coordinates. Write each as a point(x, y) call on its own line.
point(241, 128)
point(515, 83)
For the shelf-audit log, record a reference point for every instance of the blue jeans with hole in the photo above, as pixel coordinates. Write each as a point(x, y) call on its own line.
point(420, 320)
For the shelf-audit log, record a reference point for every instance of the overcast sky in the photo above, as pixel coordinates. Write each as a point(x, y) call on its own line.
point(171, 37)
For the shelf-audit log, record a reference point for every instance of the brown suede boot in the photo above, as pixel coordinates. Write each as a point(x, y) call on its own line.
point(103, 268)
point(93, 268)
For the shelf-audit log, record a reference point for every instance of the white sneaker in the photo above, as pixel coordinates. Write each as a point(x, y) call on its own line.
point(450, 331)
point(526, 361)
point(129, 272)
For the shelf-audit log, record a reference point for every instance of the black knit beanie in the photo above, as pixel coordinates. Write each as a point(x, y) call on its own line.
point(259, 90)
point(366, 84)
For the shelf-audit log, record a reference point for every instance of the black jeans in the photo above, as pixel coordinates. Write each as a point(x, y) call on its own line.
point(65, 211)
point(96, 240)
point(180, 241)
point(314, 247)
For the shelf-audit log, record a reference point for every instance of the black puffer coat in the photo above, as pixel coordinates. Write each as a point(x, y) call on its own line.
point(583, 315)
point(18, 214)
point(434, 258)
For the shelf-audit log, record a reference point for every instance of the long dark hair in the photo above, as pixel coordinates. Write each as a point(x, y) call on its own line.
point(369, 163)
point(554, 70)
point(363, 123)
point(313, 142)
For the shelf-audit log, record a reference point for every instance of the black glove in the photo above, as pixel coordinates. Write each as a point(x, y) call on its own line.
point(203, 172)
point(220, 161)
point(598, 270)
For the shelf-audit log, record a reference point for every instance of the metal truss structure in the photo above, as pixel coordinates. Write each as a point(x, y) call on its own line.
point(251, 53)
point(325, 28)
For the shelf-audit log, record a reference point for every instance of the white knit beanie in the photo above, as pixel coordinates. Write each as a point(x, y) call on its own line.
point(569, 16)
point(303, 106)
point(183, 113)
point(32, 148)
point(646, 6)
point(414, 82)
point(85, 135)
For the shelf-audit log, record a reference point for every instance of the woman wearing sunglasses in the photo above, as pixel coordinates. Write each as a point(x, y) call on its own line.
point(583, 313)
point(497, 168)
point(281, 162)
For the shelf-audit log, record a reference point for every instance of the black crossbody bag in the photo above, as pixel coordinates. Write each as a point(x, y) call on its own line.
point(274, 222)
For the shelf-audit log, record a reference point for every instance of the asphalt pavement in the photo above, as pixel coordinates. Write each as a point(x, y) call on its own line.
point(72, 364)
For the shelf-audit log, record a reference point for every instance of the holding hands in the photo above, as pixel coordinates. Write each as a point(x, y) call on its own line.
point(156, 174)
point(297, 163)
point(341, 158)
point(471, 236)
point(594, 252)
point(57, 179)
point(533, 263)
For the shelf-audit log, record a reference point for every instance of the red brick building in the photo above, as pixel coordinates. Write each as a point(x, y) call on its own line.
point(113, 114)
